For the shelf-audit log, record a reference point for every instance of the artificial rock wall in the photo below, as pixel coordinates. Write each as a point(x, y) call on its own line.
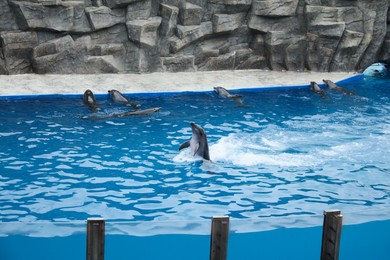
point(125, 36)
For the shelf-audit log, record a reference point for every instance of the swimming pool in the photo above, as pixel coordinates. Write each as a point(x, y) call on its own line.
point(277, 162)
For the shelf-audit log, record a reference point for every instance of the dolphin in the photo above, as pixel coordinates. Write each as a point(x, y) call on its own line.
point(314, 87)
point(90, 100)
point(142, 112)
point(118, 97)
point(222, 92)
point(198, 142)
point(331, 85)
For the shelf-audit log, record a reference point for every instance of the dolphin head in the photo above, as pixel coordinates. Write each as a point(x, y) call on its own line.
point(198, 143)
point(217, 88)
point(117, 96)
point(90, 100)
point(197, 132)
point(222, 92)
point(88, 94)
point(329, 84)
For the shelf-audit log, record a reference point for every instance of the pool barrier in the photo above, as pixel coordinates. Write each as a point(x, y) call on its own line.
point(219, 238)
point(95, 238)
point(331, 234)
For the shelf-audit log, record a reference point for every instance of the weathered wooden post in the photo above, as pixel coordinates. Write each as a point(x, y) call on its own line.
point(95, 238)
point(331, 234)
point(219, 238)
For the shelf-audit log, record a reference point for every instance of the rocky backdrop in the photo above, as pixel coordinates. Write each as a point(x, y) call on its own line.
point(138, 36)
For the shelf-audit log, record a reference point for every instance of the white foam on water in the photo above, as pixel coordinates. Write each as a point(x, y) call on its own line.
point(246, 150)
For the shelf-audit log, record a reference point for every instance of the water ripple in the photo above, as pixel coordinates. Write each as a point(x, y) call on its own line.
point(286, 156)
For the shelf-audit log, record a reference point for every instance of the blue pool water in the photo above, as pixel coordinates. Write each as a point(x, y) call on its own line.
point(276, 163)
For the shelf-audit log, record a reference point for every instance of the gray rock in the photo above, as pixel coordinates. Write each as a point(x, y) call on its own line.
point(281, 49)
point(253, 62)
point(17, 48)
point(320, 14)
point(258, 45)
point(190, 14)
point(242, 55)
point(3, 68)
point(231, 2)
point(171, 2)
point(178, 63)
point(63, 56)
point(169, 16)
point(67, 17)
point(119, 3)
point(204, 51)
point(318, 56)
point(113, 49)
point(104, 17)
point(53, 46)
point(347, 55)
point(141, 10)
point(148, 60)
point(144, 32)
point(324, 21)
point(353, 18)
point(222, 62)
point(274, 8)
point(116, 34)
point(144, 35)
point(264, 25)
point(296, 54)
point(189, 34)
point(328, 29)
point(221, 8)
point(103, 64)
point(374, 29)
point(227, 22)
point(246, 58)
point(8, 19)
point(385, 54)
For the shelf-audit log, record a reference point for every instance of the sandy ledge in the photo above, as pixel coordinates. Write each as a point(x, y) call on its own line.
point(27, 84)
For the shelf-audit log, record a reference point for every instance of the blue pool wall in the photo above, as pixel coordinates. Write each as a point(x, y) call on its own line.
point(359, 242)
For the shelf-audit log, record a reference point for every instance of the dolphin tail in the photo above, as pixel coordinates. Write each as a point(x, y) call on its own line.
point(184, 145)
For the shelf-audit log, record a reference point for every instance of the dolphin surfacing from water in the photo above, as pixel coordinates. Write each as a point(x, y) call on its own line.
point(222, 92)
point(118, 97)
point(314, 87)
point(332, 86)
point(90, 100)
point(198, 142)
point(142, 112)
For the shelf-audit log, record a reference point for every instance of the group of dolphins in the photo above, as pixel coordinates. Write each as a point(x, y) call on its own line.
point(116, 96)
point(198, 142)
point(331, 86)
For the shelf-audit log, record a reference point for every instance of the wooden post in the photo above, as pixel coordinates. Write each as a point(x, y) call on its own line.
point(219, 238)
point(95, 238)
point(331, 235)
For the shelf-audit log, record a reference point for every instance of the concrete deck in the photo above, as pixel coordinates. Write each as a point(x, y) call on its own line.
point(28, 84)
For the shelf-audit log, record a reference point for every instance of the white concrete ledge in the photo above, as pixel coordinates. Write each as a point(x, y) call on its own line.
point(28, 84)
